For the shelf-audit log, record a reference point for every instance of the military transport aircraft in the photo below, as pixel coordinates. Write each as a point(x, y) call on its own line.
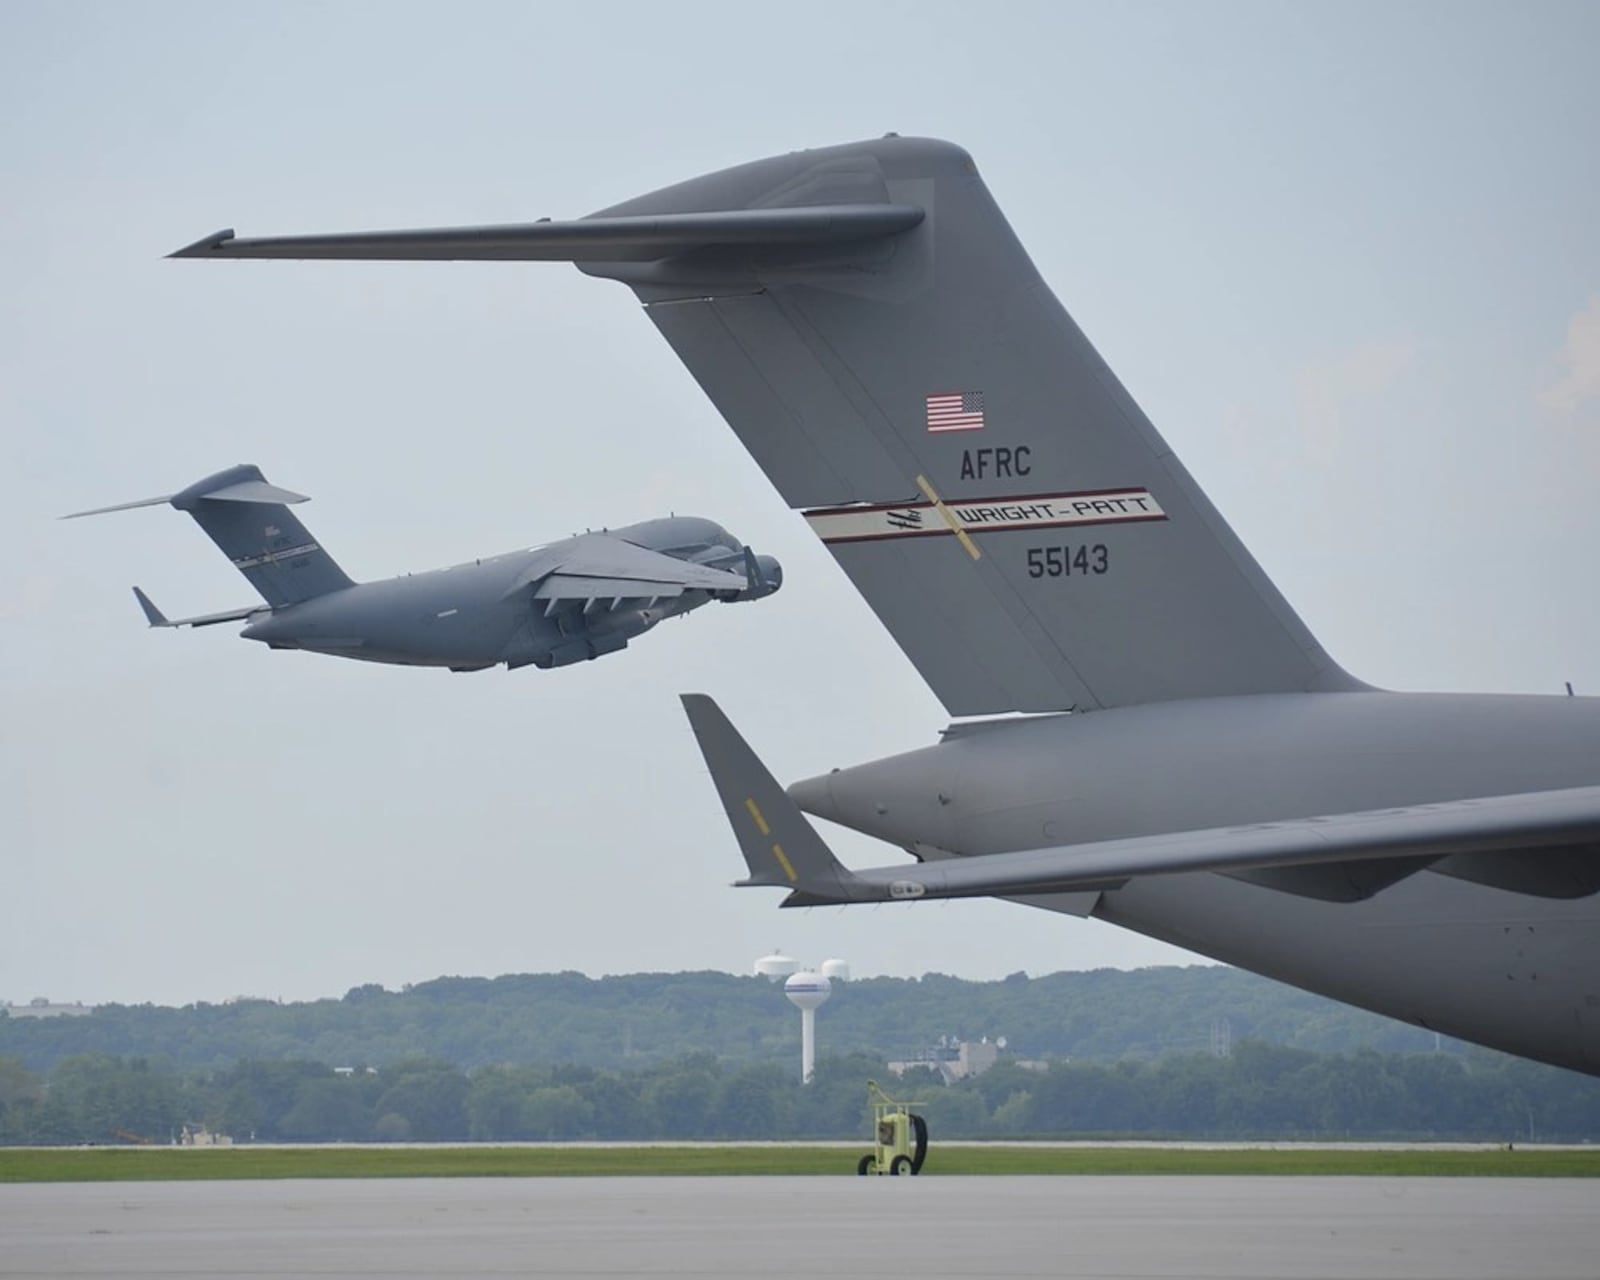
point(1202, 771)
point(547, 606)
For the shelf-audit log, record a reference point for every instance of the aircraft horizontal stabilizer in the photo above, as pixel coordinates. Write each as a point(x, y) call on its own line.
point(121, 506)
point(245, 490)
point(616, 239)
point(252, 491)
point(249, 520)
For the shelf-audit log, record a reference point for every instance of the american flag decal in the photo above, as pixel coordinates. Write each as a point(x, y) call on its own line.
point(955, 411)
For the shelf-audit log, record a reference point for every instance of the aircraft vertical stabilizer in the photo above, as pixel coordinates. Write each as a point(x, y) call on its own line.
point(996, 495)
point(869, 325)
point(249, 520)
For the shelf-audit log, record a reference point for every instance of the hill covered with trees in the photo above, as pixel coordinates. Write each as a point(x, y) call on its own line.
point(638, 1019)
point(1202, 1052)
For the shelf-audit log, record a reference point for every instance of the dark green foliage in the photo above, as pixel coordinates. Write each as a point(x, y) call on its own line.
point(562, 1057)
point(92, 1098)
point(427, 1098)
point(251, 1098)
point(21, 1093)
point(1268, 1091)
point(639, 1019)
point(1262, 1091)
point(325, 1110)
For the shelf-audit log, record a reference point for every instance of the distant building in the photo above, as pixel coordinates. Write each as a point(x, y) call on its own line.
point(197, 1135)
point(953, 1059)
point(42, 1007)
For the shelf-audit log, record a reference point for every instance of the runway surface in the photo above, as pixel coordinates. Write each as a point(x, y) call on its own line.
point(1245, 1228)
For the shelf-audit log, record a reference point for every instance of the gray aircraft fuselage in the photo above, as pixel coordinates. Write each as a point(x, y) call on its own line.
point(472, 616)
point(1504, 965)
point(567, 601)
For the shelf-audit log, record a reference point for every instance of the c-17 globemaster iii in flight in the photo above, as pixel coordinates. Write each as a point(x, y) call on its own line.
point(1198, 769)
point(548, 606)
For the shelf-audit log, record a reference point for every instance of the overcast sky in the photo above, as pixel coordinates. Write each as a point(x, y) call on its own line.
point(1347, 256)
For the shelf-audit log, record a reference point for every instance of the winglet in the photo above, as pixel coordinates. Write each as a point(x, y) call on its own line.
point(779, 845)
point(204, 247)
point(152, 615)
point(243, 483)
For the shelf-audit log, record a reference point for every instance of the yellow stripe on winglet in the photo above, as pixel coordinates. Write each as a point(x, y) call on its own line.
point(950, 518)
point(783, 861)
point(755, 812)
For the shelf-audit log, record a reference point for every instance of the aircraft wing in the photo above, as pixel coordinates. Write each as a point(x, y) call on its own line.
point(599, 566)
point(782, 848)
point(595, 239)
point(156, 618)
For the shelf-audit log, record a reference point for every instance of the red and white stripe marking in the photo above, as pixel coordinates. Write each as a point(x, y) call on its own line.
point(984, 515)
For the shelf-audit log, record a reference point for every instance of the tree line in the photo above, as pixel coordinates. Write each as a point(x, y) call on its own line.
point(1259, 1091)
point(626, 1022)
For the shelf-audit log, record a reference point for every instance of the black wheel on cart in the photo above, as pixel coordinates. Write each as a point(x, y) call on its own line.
point(865, 1166)
point(899, 1165)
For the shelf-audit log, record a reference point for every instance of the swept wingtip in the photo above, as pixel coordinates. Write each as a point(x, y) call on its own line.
point(152, 615)
point(697, 706)
point(204, 247)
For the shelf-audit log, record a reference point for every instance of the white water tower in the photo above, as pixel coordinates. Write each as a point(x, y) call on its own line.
point(806, 990)
point(836, 970)
point(776, 967)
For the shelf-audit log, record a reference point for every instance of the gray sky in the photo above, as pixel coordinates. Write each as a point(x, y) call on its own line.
point(1345, 255)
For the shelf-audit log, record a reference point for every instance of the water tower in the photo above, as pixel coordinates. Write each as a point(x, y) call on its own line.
point(836, 970)
point(776, 967)
point(806, 990)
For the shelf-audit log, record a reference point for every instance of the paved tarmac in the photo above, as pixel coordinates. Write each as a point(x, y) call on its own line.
point(778, 1228)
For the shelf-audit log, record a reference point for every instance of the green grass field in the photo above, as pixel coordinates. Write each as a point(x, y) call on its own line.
point(178, 1164)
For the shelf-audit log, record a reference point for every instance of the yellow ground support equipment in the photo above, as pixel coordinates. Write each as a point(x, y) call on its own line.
point(900, 1136)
